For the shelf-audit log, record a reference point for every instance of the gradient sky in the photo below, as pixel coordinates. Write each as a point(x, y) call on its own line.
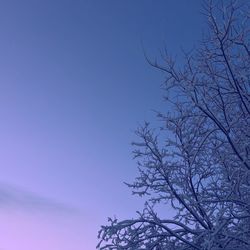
point(74, 85)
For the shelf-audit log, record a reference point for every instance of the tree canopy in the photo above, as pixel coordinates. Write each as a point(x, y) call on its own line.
point(198, 161)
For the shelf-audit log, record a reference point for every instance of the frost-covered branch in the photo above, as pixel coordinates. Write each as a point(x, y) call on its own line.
point(198, 162)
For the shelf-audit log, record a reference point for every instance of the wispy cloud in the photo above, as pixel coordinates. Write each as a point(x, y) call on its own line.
point(17, 198)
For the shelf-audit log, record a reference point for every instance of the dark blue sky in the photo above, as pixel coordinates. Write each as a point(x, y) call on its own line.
point(74, 84)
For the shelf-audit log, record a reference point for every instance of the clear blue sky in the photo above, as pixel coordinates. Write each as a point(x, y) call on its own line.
point(74, 85)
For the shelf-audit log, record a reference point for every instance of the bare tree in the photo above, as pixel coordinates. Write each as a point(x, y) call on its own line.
point(199, 162)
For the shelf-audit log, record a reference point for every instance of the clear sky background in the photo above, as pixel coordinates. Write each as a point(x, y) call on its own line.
point(74, 85)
